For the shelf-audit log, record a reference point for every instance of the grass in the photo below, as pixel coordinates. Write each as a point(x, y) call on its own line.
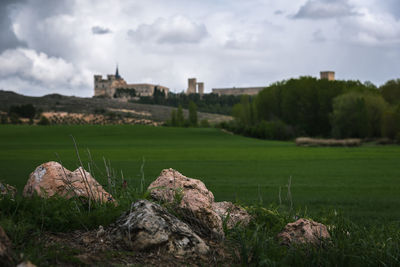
point(363, 182)
point(352, 190)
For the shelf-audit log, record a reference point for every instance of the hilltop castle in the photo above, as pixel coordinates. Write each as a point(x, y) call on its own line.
point(116, 87)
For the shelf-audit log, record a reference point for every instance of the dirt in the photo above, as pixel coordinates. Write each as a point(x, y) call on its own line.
point(90, 248)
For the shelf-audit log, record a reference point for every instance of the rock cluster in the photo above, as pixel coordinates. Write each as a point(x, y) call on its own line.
point(52, 178)
point(196, 203)
point(148, 225)
point(303, 231)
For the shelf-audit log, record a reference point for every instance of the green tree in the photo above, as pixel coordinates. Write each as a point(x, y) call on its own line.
point(391, 91)
point(180, 119)
point(173, 118)
point(391, 122)
point(192, 114)
point(357, 115)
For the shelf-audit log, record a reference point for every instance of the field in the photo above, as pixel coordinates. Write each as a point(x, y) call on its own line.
point(361, 182)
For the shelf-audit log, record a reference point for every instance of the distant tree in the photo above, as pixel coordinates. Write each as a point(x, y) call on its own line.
point(357, 115)
point(43, 121)
point(180, 119)
point(391, 91)
point(192, 114)
point(24, 111)
point(204, 123)
point(391, 122)
point(174, 121)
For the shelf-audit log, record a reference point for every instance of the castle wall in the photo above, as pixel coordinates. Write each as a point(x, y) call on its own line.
point(238, 91)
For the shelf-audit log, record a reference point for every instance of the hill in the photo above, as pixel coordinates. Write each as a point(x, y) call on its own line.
point(72, 104)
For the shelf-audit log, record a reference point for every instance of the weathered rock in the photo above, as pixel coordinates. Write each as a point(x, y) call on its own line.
point(233, 214)
point(303, 231)
point(52, 178)
point(5, 249)
point(26, 264)
point(148, 226)
point(6, 189)
point(192, 199)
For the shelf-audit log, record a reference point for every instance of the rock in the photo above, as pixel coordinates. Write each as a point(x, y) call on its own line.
point(26, 264)
point(149, 226)
point(303, 231)
point(192, 199)
point(6, 189)
point(237, 215)
point(52, 178)
point(6, 258)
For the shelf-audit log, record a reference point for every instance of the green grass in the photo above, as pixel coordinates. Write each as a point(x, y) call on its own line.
point(363, 182)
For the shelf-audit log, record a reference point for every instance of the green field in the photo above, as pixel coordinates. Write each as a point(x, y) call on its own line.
point(363, 182)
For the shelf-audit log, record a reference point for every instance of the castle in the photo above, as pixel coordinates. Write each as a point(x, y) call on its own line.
point(116, 87)
point(329, 75)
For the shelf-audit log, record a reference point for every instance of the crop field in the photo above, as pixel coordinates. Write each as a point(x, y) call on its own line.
point(363, 182)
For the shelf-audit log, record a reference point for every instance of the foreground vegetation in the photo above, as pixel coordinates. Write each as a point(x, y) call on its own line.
point(354, 191)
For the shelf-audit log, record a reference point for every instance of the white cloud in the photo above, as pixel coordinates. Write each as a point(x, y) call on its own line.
point(39, 69)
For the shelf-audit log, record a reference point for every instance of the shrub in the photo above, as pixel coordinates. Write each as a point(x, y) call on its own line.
point(43, 121)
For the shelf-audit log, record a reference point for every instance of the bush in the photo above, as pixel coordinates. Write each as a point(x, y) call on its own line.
point(43, 121)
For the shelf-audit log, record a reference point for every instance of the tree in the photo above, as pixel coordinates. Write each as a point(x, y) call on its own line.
point(173, 118)
point(180, 119)
point(192, 113)
point(357, 115)
point(391, 91)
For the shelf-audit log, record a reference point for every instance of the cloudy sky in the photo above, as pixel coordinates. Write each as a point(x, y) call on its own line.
point(49, 46)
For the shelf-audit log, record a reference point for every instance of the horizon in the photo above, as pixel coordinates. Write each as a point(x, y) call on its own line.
point(51, 47)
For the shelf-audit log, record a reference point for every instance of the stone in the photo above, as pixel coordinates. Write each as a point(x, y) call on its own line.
point(303, 231)
point(149, 226)
point(26, 264)
point(6, 258)
point(6, 189)
point(233, 214)
point(192, 199)
point(51, 178)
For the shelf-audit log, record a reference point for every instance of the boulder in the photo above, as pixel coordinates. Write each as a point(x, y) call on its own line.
point(6, 189)
point(192, 199)
point(303, 231)
point(6, 258)
point(52, 178)
point(149, 226)
point(233, 214)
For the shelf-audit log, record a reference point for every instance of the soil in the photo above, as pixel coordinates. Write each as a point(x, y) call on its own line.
point(88, 248)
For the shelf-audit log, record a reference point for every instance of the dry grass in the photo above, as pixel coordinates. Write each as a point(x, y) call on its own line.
point(307, 141)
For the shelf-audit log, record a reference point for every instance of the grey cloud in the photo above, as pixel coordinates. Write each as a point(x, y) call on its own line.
point(325, 9)
point(8, 39)
point(100, 30)
point(278, 12)
point(173, 30)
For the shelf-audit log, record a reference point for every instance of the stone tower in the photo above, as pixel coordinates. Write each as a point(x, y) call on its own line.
point(191, 86)
point(329, 75)
point(200, 88)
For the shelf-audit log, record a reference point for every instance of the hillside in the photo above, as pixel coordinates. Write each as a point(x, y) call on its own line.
point(72, 104)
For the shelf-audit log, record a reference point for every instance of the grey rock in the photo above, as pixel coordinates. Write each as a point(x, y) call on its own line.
point(148, 225)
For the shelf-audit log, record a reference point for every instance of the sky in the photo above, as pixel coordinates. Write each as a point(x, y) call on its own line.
point(49, 46)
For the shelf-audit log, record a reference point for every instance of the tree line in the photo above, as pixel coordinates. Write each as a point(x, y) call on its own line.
point(211, 103)
point(319, 108)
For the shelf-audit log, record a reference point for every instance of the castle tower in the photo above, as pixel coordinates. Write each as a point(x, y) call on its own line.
point(329, 75)
point(191, 86)
point(200, 88)
point(117, 74)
